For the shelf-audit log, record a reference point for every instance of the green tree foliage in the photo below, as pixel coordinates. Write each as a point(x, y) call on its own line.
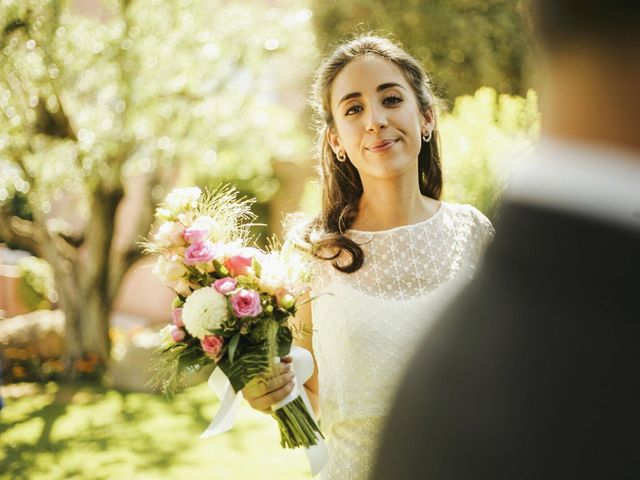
point(152, 93)
point(465, 44)
point(37, 286)
point(481, 137)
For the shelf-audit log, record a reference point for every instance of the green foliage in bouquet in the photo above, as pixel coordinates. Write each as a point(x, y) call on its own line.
point(249, 356)
point(233, 301)
point(231, 219)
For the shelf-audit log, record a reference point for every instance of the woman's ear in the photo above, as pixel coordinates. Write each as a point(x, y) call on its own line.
point(334, 140)
point(428, 121)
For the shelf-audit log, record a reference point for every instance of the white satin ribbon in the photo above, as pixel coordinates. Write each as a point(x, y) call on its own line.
point(317, 455)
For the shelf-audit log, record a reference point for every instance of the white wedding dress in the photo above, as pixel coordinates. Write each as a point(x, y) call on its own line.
point(366, 324)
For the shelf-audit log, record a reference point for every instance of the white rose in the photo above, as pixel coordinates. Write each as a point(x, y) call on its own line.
point(273, 274)
point(211, 225)
point(166, 340)
point(169, 270)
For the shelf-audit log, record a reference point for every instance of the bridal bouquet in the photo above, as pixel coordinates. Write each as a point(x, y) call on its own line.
point(233, 301)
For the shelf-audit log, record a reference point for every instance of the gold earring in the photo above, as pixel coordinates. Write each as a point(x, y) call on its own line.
point(342, 157)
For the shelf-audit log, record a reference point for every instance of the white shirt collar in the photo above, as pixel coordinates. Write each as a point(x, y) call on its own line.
point(589, 179)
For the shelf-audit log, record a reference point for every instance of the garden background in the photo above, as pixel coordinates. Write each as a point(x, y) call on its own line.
point(107, 105)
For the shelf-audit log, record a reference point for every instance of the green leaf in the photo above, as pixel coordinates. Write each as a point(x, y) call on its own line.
point(257, 266)
point(233, 345)
point(221, 270)
point(251, 361)
point(285, 339)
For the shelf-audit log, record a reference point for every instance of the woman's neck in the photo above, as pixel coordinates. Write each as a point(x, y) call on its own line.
point(386, 205)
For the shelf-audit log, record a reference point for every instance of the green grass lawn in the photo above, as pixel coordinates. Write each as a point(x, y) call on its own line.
point(79, 431)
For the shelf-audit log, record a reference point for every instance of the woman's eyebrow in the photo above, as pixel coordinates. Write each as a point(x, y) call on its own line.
point(384, 86)
point(380, 88)
point(349, 96)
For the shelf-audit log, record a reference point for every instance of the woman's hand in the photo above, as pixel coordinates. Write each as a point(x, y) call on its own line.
point(262, 392)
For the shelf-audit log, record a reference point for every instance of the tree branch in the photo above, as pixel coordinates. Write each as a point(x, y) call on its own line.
point(65, 247)
point(18, 231)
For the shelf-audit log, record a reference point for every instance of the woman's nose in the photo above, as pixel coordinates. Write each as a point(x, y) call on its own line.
point(377, 119)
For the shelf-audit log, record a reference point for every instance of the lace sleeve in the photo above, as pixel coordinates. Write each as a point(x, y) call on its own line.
point(486, 232)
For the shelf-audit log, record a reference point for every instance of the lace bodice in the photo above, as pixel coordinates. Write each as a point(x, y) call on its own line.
point(366, 324)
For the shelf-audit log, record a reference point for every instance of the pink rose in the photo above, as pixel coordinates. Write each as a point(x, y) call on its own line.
point(177, 333)
point(246, 303)
point(176, 314)
point(195, 234)
point(238, 265)
point(212, 345)
point(225, 285)
point(200, 252)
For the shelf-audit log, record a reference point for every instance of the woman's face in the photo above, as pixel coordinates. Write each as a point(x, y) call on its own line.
point(378, 122)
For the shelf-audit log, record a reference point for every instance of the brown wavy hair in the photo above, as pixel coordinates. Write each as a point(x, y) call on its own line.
point(342, 187)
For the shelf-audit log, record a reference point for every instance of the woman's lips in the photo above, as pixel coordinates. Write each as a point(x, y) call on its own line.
point(382, 146)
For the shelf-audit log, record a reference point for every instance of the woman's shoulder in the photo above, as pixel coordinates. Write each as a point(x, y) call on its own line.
point(465, 213)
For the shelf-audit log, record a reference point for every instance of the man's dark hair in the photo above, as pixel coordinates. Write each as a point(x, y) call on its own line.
point(610, 23)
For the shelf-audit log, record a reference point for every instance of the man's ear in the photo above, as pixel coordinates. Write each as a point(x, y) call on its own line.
point(334, 140)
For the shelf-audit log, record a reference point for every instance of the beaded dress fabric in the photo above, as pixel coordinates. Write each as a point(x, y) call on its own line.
point(366, 324)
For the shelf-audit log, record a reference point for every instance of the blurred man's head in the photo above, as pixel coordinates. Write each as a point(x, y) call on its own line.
point(591, 64)
point(608, 24)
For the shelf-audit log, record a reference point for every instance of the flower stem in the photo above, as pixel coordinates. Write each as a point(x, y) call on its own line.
point(297, 426)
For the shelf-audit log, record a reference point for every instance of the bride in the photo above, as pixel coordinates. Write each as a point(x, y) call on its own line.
point(387, 253)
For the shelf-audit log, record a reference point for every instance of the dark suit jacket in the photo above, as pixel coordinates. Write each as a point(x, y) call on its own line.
point(534, 373)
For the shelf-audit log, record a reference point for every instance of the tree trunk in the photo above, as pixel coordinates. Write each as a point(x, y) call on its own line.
point(87, 342)
point(95, 325)
point(70, 303)
point(85, 286)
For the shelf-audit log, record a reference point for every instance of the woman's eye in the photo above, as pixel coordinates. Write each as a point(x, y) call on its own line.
point(353, 109)
point(392, 99)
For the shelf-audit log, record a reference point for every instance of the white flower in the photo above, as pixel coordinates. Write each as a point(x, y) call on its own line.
point(185, 218)
point(169, 235)
point(286, 270)
point(163, 213)
point(274, 273)
point(204, 310)
point(203, 228)
point(166, 340)
point(169, 270)
point(299, 268)
point(181, 287)
point(211, 225)
point(181, 198)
